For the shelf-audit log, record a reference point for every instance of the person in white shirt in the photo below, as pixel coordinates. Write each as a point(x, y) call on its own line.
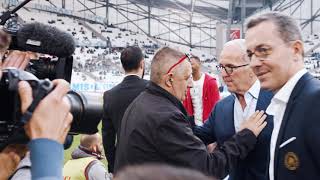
point(231, 111)
point(204, 94)
point(275, 48)
point(196, 95)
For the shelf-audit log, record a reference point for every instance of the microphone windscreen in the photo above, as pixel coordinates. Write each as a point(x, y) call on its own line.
point(41, 38)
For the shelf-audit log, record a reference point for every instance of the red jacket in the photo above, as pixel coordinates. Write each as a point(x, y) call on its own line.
point(210, 97)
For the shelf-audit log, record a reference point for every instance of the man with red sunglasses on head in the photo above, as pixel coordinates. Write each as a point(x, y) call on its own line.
point(155, 127)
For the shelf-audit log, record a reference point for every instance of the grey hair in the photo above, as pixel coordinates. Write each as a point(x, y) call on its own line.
point(241, 43)
point(287, 27)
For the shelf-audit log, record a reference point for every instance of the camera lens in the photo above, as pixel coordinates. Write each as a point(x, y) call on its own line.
point(87, 111)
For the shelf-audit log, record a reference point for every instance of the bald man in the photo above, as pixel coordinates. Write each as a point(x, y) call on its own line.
point(155, 128)
point(230, 112)
point(85, 162)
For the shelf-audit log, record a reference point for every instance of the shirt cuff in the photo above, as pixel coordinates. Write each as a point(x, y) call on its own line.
point(46, 158)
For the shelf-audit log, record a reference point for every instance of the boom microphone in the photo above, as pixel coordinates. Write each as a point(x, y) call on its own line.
point(37, 37)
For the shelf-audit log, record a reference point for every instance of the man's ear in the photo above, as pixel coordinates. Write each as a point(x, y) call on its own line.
point(142, 64)
point(298, 49)
point(168, 80)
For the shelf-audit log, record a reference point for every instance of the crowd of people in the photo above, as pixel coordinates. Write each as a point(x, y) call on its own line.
point(175, 126)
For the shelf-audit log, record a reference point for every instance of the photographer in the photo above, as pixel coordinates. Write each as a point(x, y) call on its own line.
point(47, 128)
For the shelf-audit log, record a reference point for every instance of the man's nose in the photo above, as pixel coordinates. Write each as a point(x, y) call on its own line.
point(224, 73)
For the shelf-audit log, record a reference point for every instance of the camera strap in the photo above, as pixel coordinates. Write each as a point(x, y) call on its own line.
point(42, 90)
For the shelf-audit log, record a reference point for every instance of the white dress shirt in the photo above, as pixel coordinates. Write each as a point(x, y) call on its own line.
point(250, 97)
point(277, 108)
point(196, 93)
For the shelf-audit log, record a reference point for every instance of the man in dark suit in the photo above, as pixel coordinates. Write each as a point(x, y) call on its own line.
point(275, 47)
point(246, 98)
point(117, 99)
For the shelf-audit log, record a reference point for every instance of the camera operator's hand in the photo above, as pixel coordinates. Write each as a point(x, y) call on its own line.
point(211, 147)
point(255, 123)
point(10, 158)
point(18, 59)
point(9, 162)
point(51, 119)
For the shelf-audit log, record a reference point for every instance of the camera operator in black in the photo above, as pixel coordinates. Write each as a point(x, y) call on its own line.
point(47, 128)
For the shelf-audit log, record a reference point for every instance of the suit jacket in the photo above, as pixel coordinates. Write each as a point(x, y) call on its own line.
point(220, 127)
point(300, 158)
point(116, 101)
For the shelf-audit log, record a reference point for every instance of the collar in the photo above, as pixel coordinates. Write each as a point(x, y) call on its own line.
point(131, 74)
point(254, 90)
point(89, 152)
point(284, 93)
point(153, 88)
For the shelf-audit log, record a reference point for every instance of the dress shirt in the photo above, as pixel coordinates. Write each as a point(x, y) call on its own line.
point(250, 97)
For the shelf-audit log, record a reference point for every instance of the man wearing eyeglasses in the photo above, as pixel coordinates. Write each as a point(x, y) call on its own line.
point(230, 112)
point(275, 48)
point(155, 129)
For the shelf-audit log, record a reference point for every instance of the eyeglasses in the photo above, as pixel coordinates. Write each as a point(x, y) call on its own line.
point(229, 69)
point(186, 56)
point(262, 51)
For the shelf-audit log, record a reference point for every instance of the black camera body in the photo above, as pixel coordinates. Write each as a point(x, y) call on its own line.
point(11, 128)
point(51, 68)
point(85, 108)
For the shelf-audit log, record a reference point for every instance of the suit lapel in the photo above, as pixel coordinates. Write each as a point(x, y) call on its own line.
point(286, 117)
point(263, 100)
point(262, 104)
point(229, 115)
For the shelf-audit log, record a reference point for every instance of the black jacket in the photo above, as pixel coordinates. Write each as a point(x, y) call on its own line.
point(297, 152)
point(155, 129)
point(116, 101)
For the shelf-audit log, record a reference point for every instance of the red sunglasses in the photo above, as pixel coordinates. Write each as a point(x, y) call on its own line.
point(186, 56)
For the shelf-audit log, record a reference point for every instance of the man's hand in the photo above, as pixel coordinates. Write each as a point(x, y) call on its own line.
point(211, 147)
point(51, 118)
point(255, 123)
point(18, 59)
point(8, 163)
point(10, 158)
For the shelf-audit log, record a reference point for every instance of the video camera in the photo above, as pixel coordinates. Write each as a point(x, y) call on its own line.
point(86, 108)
